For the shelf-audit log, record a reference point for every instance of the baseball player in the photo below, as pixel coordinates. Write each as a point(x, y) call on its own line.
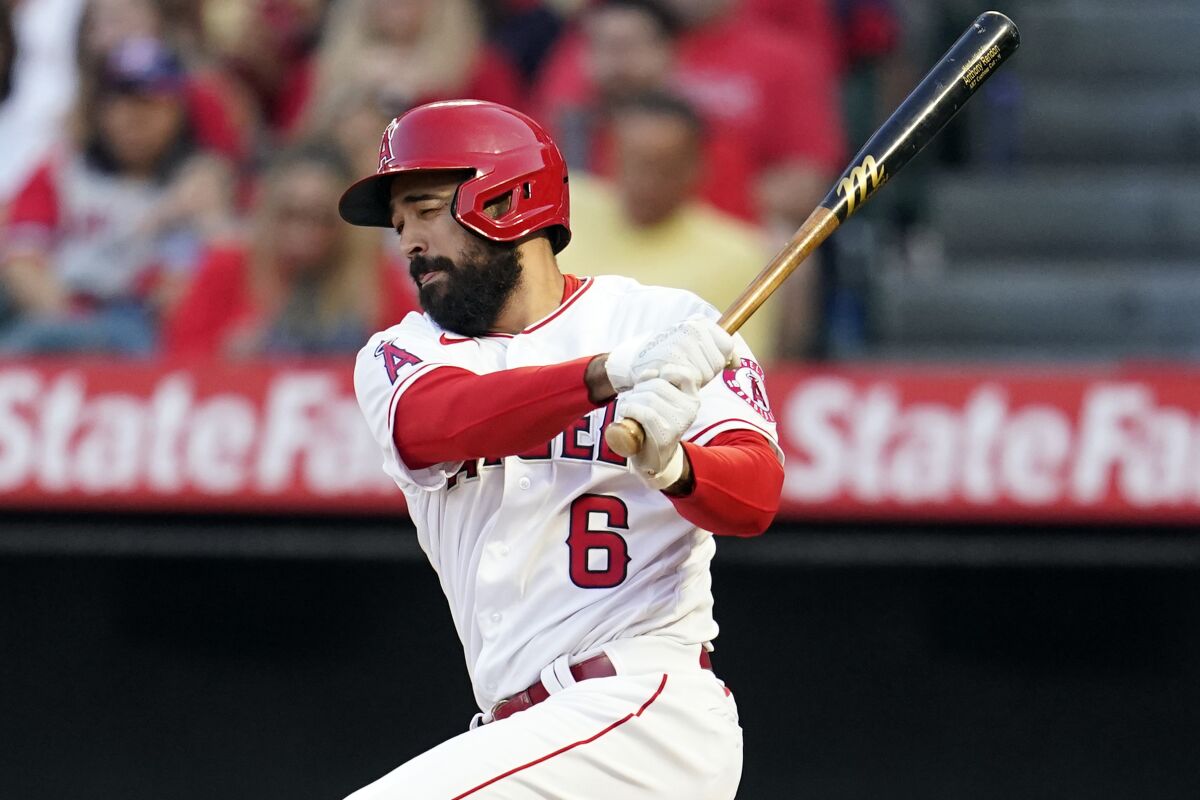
point(578, 581)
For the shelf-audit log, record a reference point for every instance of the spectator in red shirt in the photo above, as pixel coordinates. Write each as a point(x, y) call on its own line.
point(626, 49)
point(617, 48)
point(811, 20)
point(779, 96)
point(414, 51)
point(774, 98)
point(305, 284)
point(104, 223)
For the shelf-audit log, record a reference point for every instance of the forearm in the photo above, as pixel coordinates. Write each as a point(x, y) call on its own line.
point(731, 486)
point(33, 287)
point(595, 377)
point(455, 415)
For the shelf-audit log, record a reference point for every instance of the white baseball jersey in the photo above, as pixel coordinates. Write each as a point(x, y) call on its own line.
point(563, 549)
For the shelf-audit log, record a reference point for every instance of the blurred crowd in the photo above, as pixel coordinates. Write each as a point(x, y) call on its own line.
point(171, 168)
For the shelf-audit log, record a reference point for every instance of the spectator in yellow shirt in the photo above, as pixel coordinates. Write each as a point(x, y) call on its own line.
point(649, 225)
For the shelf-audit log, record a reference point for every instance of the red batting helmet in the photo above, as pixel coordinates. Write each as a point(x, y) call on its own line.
point(511, 155)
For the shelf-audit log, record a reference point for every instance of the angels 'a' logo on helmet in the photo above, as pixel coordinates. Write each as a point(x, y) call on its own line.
point(746, 381)
point(385, 145)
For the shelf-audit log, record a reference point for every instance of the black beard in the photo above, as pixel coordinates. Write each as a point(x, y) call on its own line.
point(470, 295)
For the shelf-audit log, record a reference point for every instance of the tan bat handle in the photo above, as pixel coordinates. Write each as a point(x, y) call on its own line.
point(625, 436)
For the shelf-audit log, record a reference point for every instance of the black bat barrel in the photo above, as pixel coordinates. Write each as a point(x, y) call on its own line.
point(973, 58)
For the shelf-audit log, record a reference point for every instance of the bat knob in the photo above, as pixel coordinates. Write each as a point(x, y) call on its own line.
point(625, 437)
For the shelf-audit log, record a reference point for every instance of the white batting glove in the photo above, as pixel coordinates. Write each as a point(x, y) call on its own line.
point(665, 412)
point(698, 347)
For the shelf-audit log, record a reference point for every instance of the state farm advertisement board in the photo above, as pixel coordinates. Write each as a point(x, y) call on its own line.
point(199, 437)
point(890, 443)
point(1052, 444)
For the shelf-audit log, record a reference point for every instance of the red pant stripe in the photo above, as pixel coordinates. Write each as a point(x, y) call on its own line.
point(571, 746)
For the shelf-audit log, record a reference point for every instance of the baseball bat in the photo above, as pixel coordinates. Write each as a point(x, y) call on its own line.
point(972, 59)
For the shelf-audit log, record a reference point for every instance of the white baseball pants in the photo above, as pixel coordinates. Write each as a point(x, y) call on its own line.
point(661, 729)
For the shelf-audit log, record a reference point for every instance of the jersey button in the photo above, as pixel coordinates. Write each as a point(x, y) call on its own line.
point(496, 617)
point(502, 549)
point(524, 483)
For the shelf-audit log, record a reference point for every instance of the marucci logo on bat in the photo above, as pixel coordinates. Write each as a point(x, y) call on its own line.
point(861, 182)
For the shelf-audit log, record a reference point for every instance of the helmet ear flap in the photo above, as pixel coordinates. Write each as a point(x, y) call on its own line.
point(496, 208)
point(502, 205)
point(531, 179)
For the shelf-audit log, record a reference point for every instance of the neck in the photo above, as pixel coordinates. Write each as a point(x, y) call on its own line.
point(539, 291)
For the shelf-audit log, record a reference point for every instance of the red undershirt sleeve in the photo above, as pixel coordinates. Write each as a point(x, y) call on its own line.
point(452, 414)
point(738, 480)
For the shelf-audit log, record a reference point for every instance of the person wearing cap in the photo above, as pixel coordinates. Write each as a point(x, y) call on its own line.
point(113, 216)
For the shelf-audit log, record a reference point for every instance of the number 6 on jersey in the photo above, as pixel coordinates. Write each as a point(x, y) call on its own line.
point(599, 556)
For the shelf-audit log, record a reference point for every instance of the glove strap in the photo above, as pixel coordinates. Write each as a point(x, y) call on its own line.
point(619, 366)
point(669, 474)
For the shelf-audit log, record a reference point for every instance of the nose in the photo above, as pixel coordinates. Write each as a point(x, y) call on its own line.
point(413, 241)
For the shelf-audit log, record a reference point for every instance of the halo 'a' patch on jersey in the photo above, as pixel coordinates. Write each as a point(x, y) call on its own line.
point(394, 358)
point(747, 382)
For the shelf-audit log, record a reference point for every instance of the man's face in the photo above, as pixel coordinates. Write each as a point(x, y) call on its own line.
point(463, 280)
point(627, 51)
point(658, 160)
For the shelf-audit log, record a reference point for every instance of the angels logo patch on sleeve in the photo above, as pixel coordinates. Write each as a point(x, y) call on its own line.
point(747, 382)
point(394, 358)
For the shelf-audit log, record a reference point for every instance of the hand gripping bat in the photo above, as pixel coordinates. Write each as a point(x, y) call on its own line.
point(947, 87)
